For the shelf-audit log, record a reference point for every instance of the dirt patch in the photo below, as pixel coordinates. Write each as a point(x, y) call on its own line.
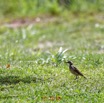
point(27, 21)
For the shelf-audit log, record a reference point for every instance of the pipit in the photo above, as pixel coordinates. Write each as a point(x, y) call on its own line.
point(74, 70)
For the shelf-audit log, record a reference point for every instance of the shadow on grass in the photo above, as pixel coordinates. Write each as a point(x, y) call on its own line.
point(17, 79)
point(7, 97)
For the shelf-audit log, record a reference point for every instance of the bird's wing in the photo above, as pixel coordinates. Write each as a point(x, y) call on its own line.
point(77, 71)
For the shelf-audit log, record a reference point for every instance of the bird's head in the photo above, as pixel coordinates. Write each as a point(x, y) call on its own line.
point(69, 62)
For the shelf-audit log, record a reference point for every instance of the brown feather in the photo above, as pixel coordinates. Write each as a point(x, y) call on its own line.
point(76, 71)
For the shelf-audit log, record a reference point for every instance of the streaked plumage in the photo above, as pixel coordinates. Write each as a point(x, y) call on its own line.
point(74, 70)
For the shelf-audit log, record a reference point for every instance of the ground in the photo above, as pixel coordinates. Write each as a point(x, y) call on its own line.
point(31, 72)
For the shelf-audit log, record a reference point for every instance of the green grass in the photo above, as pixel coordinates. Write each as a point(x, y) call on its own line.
point(31, 52)
point(37, 72)
point(32, 8)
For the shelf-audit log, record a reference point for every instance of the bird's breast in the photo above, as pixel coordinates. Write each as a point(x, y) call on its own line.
point(72, 70)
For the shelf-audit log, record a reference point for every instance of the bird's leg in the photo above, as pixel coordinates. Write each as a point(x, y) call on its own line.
point(76, 77)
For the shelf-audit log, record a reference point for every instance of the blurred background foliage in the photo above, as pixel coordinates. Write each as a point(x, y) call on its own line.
point(22, 8)
point(44, 34)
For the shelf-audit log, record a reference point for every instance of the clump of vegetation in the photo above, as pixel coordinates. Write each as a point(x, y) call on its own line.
point(60, 56)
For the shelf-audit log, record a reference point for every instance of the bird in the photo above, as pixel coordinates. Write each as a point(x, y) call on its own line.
point(74, 70)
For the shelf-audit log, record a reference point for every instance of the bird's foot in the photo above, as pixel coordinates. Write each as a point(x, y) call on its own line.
point(76, 78)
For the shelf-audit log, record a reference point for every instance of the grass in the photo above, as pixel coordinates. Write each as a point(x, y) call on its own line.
point(12, 9)
point(32, 69)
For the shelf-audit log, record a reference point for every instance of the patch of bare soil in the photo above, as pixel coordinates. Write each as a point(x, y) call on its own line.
point(27, 21)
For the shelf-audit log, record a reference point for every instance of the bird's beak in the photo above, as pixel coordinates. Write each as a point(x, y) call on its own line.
point(66, 62)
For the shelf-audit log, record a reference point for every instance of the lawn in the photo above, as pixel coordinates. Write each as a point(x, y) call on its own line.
point(32, 70)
